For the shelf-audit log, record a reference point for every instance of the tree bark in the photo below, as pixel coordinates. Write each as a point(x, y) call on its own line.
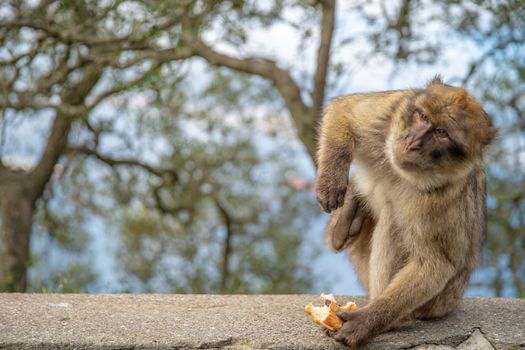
point(282, 80)
point(323, 55)
point(226, 249)
point(306, 117)
point(16, 213)
point(19, 191)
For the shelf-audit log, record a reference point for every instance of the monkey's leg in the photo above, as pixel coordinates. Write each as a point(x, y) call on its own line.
point(351, 226)
point(447, 300)
point(414, 285)
point(383, 257)
point(359, 248)
point(347, 221)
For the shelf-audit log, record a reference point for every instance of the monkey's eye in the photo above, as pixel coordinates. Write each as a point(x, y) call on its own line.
point(440, 132)
point(422, 116)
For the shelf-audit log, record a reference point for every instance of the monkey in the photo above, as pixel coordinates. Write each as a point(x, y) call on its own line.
point(413, 213)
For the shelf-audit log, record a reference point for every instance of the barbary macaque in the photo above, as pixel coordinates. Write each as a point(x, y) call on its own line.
point(413, 214)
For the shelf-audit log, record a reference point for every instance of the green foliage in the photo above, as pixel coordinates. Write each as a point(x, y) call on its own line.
point(220, 198)
point(190, 177)
point(74, 278)
point(60, 259)
point(216, 188)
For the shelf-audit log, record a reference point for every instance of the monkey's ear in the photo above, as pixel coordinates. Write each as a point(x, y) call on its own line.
point(437, 80)
point(492, 134)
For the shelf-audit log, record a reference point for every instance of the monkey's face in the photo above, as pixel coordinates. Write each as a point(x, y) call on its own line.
point(441, 135)
point(428, 144)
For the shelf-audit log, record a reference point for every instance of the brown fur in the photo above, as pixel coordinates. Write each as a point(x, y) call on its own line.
point(415, 217)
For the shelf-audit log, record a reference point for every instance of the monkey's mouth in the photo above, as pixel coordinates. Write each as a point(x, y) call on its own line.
point(412, 145)
point(410, 155)
point(408, 150)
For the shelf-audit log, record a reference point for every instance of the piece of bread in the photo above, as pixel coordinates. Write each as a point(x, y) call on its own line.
point(326, 315)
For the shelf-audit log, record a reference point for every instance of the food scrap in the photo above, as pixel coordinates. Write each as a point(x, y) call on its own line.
point(326, 315)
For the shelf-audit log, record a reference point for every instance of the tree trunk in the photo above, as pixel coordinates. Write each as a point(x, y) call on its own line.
point(19, 191)
point(16, 215)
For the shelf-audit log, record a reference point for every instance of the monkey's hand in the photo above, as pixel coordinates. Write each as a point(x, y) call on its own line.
point(331, 188)
point(347, 222)
point(357, 328)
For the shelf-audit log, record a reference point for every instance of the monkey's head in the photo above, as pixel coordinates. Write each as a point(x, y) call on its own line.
point(440, 136)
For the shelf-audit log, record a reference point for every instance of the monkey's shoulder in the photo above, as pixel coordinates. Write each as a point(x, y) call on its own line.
point(370, 110)
point(374, 96)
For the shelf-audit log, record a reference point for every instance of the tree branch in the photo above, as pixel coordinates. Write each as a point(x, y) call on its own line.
point(58, 136)
point(402, 26)
point(112, 162)
point(69, 37)
point(226, 249)
point(73, 104)
point(474, 66)
point(122, 87)
point(151, 53)
point(323, 56)
point(28, 101)
point(282, 80)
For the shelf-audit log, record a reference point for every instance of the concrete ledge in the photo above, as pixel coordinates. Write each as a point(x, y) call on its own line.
point(74, 321)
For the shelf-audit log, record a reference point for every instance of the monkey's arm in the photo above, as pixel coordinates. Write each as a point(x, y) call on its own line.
point(416, 283)
point(363, 117)
point(336, 146)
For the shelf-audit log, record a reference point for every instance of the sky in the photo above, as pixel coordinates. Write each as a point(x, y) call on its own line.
point(281, 42)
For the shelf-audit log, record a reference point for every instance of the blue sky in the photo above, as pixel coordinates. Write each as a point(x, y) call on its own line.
point(27, 135)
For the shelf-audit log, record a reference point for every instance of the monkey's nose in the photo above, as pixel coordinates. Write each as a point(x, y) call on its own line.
point(413, 144)
point(417, 136)
point(414, 147)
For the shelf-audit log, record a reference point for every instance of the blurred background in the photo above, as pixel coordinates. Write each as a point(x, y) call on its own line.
point(168, 146)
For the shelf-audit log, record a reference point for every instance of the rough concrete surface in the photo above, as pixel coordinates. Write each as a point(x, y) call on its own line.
point(76, 321)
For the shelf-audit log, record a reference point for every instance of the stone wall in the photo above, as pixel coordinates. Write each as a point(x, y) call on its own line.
point(76, 321)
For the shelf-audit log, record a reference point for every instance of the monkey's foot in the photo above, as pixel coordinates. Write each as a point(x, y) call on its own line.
point(356, 329)
point(349, 222)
